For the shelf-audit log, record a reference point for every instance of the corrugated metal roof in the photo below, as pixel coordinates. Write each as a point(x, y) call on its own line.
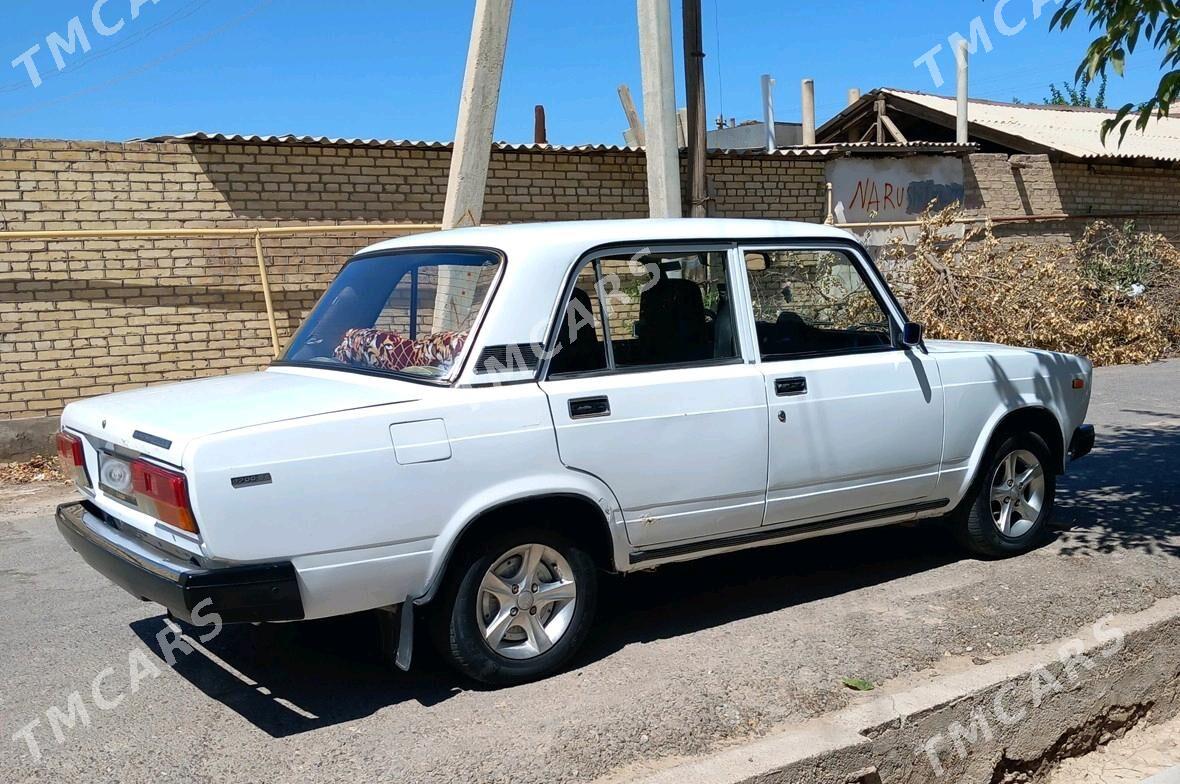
point(236, 138)
point(818, 150)
point(1070, 130)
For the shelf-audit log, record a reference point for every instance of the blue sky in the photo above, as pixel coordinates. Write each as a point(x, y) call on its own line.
point(392, 68)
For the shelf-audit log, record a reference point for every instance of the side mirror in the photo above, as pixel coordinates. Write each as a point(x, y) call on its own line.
point(911, 334)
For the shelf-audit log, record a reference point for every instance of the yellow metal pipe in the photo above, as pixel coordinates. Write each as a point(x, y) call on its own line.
point(256, 233)
point(1047, 217)
point(270, 308)
point(267, 231)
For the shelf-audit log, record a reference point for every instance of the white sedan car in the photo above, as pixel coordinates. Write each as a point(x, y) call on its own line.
point(471, 425)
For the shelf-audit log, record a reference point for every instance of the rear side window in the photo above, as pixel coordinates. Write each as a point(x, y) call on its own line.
point(409, 313)
point(647, 310)
point(581, 344)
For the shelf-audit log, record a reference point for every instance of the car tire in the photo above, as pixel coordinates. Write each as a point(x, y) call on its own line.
point(499, 628)
point(1008, 508)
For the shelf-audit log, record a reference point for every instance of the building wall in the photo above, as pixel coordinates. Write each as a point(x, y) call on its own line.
point(1091, 189)
point(999, 184)
point(84, 317)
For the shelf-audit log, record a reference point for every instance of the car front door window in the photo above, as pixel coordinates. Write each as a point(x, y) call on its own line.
point(813, 302)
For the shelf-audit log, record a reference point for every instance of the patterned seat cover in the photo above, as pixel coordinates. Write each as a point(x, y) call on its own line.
point(388, 350)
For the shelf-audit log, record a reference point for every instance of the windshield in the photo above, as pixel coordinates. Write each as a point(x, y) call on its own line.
point(407, 312)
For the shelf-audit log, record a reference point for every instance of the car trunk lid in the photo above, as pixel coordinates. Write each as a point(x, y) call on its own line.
point(161, 421)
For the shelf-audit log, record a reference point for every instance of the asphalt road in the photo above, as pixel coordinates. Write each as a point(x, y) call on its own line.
point(684, 659)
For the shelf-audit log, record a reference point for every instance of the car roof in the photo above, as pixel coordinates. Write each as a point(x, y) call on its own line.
point(590, 233)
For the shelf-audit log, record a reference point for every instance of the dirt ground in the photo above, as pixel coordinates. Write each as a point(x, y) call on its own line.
point(687, 658)
point(1141, 753)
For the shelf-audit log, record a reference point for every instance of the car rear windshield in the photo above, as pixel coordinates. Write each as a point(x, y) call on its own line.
point(410, 313)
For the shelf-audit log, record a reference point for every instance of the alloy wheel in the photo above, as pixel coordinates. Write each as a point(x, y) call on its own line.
point(1017, 493)
point(526, 601)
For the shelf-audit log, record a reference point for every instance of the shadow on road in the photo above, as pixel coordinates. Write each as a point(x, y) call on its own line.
point(1124, 496)
point(291, 678)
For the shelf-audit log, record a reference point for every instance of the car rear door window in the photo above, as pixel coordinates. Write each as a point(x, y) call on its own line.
point(650, 310)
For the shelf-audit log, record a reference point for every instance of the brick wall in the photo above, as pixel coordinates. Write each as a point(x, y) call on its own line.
point(999, 184)
point(85, 317)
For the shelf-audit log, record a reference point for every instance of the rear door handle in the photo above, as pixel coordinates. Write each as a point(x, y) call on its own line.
point(586, 407)
point(785, 387)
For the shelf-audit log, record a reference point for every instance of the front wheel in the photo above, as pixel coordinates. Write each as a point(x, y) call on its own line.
point(1012, 501)
point(519, 606)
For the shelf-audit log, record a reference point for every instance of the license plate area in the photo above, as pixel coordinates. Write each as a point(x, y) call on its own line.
point(114, 477)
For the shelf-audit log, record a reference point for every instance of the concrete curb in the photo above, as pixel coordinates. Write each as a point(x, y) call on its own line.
point(22, 439)
point(1008, 720)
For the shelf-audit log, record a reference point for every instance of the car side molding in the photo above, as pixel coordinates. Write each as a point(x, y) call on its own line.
point(785, 532)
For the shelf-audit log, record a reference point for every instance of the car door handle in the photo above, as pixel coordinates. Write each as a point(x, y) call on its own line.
point(585, 407)
point(796, 385)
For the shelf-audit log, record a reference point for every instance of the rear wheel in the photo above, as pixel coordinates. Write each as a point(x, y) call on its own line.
point(518, 606)
point(1012, 499)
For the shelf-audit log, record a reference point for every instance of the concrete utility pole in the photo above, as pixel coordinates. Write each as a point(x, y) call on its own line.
point(478, 102)
point(962, 131)
point(694, 90)
point(808, 111)
point(659, 108)
point(477, 113)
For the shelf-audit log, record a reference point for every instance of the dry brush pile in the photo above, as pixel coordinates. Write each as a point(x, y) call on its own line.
point(1113, 296)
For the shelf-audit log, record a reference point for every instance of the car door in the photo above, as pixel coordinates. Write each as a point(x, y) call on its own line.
point(649, 392)
point(855, 420)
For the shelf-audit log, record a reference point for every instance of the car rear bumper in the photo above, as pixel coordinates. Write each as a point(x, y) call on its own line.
point(1082, 442)
point(253, 592)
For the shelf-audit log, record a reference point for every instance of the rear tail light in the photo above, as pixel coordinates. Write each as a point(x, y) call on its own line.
point(163, 494)
point(72, 458)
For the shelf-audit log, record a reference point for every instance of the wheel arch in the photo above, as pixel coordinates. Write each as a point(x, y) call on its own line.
point(595, 523)
point(1039, 421)
point(1032, 418)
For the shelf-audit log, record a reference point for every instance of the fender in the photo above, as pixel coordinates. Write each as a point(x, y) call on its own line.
point(548, 484)
point(988, 432)
point(983, 384)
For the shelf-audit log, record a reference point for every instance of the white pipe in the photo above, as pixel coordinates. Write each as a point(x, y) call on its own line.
point(659, 108)
point(808, 111)
point(768, 111)
point(962, 132)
